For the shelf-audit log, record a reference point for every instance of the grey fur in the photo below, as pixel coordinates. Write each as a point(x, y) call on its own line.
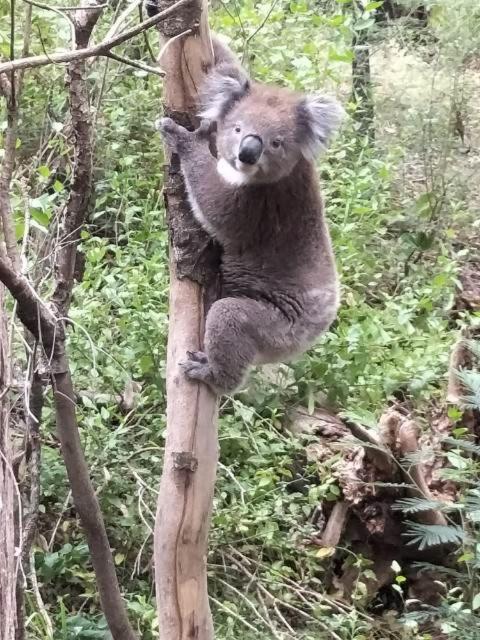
point(280, 286)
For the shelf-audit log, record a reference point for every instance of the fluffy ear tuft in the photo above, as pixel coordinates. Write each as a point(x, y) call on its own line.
point(319, 117)
point(224, 85)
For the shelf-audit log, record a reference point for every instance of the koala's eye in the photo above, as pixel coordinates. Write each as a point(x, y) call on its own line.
point(276, 143)
point(237, 128)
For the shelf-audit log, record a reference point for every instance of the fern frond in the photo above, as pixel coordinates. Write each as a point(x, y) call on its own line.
point(472, 505)
point(474, 347)
point(440, 569)
point(431, 535)
point(418, 457)
point(471, 381)
point(417, 505)
point(466, 445)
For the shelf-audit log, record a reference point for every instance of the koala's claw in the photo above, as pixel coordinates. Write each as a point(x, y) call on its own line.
point(196, 367)
point(173, 134)
point(205, 128)
point(197, 356)
point(165, 125)
point(196, 370)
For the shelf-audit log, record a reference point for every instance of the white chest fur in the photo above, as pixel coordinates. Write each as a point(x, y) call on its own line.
point(230, 174)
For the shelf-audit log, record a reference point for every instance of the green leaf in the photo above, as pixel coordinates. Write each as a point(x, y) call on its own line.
point(340, 56)
point(371, 6)
point(19, 229)
point(41, 217)
point(337, 20)
point(476, 602)
point(44, 171)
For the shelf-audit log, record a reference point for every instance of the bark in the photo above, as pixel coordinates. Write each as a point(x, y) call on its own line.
point(188, 479)
point(8, 560)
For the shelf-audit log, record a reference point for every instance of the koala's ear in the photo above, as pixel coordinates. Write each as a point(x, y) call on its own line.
point(319, 117)
point(223, 86)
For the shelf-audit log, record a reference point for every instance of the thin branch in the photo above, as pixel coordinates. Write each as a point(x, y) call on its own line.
point(258, 29)
point(232, 613)
point(100, 49)
point(84, 7)
point(136, 64)
point(65, 16)
point(34, 312)
point(12, 51)
point(46, 7)
point(121, 19)
point(27, 36)
point(145, 35)
point(39, 599)
point(12, 92)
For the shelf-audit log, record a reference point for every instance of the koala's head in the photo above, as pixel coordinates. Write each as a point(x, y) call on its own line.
point(263, 131)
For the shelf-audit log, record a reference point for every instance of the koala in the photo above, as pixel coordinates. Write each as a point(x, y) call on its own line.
point(259, 198)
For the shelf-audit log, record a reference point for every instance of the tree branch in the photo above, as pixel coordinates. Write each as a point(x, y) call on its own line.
point(101, 49)
point(35, 315)
point(74, 216)
point(136, 64)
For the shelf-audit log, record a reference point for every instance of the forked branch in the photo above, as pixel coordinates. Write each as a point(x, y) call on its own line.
point(101, 49)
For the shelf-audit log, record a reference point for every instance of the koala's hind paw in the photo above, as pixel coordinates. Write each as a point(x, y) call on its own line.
point(197, 356)
point(197, 367)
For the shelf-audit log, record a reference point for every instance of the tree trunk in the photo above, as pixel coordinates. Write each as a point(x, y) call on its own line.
point(188, 479)
point(8, 559)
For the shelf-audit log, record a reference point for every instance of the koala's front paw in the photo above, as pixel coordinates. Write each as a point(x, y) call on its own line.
point(206, 128)
point(174, 135)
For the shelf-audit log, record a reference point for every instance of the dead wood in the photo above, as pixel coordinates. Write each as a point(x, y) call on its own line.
point(378, 467)
point(190, 459)
point(320, 422)
point(335, 525)
point(459, 357)
point(408, 435)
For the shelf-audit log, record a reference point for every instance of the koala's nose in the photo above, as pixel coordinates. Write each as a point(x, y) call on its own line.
point(251, 148)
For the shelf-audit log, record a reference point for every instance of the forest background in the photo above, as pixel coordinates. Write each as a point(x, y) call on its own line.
point(311, 536)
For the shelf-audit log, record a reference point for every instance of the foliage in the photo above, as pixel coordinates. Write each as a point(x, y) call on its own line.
point(460, 609)
point(398, 213)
